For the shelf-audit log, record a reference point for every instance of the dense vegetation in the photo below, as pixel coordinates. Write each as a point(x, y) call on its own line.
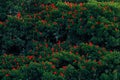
point(60, 40)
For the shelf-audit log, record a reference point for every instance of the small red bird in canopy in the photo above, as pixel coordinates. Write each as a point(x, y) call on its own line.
point(18, 15)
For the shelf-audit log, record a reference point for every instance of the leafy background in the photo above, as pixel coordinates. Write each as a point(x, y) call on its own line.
point(60, 40)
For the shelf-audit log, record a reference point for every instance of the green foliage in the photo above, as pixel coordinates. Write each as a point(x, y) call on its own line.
point(108, 0)
point(59, 40)
point(50, 76)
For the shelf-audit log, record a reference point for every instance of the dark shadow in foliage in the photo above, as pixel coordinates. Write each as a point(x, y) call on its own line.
point(3, 16)
point(14, 50)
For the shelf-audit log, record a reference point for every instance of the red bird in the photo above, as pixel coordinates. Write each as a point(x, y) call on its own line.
point(18, 15)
